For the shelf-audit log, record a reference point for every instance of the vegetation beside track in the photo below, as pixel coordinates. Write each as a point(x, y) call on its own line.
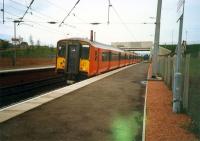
point(194, 76)
point(24, 55)
point(192, 49)
point(35, 52)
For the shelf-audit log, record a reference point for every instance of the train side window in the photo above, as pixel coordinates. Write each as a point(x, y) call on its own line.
point(123, 56)
point(105, 56)
point(85, 52)
point(114, 56)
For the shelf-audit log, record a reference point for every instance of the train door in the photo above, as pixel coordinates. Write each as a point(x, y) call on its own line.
point(119, 59)
point(109, 60)
point(73, 58)
point(96, 59)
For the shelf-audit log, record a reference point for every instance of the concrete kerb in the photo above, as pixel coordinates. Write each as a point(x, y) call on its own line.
point(25, 69)
point(145, 112)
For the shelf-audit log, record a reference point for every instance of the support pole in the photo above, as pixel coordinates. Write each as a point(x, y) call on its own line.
point(3, 11)
point(178, 75)
point(177, 100)
point(91, 35)
point(14, 55)
point(156, 40)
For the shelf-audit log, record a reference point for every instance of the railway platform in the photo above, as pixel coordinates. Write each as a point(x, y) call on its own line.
point(104, 110)
point(12, 70)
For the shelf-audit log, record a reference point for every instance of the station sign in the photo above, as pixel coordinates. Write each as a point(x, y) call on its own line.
point(15, 39)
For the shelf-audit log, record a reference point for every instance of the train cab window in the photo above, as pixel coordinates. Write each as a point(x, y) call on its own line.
point(85, 52)
point(61, 50)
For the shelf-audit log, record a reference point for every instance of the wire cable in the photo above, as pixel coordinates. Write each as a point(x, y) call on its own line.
point(69, 13)
point(125, 26)
point(39, 14)
point(26, 11)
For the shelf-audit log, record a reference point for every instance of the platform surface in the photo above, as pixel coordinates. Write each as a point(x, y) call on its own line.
point(26, 69)
point(92, 113)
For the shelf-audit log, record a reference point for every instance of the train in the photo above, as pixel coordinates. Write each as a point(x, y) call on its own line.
point(79, 58)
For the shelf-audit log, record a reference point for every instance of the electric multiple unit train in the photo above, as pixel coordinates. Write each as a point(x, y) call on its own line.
point(82, 58)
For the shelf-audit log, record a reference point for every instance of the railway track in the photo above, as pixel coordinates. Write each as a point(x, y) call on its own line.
point(20, 76)
point(20, 92)
point(20, 84)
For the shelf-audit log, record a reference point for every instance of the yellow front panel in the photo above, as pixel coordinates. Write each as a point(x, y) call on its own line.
point(84, 65)
point(60, 63)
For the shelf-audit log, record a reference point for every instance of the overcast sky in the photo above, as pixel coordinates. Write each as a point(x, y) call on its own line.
point(127, 18)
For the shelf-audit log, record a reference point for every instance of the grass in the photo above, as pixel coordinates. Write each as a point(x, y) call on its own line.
point(194, 92)
point(192, 49)
point(127, 128)
point(35, 52)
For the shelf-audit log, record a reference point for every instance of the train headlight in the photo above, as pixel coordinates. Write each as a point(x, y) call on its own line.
point(60, 63)
point(84, 65)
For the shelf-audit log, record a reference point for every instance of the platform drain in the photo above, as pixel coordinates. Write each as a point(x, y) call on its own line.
point(143, 82)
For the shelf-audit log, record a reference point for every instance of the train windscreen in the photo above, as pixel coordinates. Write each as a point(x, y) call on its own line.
point(85, 52)
point(61, 51)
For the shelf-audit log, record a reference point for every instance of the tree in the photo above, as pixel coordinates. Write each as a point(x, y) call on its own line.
point(31, 40)
point(24, 44)
point(4, 44)
point(38, 43)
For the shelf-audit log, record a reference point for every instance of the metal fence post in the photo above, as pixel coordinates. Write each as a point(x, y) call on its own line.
point(168, 70)
point(173, 72)
point(165, 69)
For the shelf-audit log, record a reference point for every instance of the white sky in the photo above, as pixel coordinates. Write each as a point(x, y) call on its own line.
point(130, 27)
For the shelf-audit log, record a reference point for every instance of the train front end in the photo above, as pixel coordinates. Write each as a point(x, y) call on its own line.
point(73, 58)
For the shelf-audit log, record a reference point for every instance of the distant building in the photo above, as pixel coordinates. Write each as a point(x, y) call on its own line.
point(134, 46)
point(24, 45)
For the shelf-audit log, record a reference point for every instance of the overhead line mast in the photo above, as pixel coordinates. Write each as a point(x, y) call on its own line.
point(109, 5)
point(69, 13)
point(2, 10)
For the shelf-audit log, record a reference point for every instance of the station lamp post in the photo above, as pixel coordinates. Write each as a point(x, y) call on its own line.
point(15, 40)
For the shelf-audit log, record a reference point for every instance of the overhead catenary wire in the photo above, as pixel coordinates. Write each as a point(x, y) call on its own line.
point(36, 13)
point(38, 25)
point(41, 15)
point(123, 23)
point(44, 20)
point(26, 11)
point(11, 14)
point(69, 13)
point(55, 5)
point(42, 27)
